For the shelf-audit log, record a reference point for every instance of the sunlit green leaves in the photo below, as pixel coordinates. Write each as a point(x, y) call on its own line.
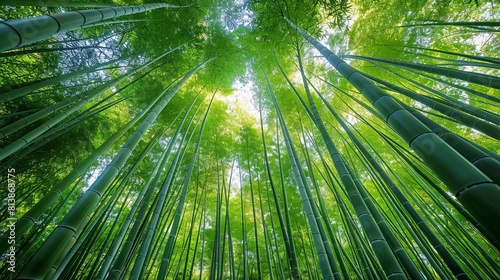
point(232, 223)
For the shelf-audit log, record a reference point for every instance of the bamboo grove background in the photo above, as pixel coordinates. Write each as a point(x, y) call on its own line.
point(250, 140)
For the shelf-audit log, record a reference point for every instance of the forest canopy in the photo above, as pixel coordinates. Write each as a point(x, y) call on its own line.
point(242, 139)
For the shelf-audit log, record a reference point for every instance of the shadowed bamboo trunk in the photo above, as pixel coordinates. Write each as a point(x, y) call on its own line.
point(469, 185)
point(477, 78)
point(438, 246)
point(292, 258)
point(167, 253)
point(366, 216)
point(460, 117)
point(61, 239)
point(326, 265)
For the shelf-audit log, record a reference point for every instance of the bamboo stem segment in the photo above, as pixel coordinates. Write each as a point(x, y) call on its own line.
point(20, 32)
point(467, 183)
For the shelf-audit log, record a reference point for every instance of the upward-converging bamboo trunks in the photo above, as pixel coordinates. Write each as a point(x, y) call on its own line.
point(46, 260)
point(468, 184)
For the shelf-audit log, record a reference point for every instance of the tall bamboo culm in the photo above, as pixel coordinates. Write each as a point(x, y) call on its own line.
point(469, 185)
point(61, 239)
point(20, 32)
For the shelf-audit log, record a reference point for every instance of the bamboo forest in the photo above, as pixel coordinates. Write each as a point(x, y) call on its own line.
point(249, 139)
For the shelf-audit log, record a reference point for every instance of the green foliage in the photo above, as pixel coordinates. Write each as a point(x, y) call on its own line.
point(217, 214)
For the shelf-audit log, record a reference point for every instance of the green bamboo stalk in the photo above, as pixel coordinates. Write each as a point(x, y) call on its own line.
point(463, 88)
point(483, 161)
point(30, 217)
point(173, 231)
point(85, 240)
point(468, 120)
point(21, 32)
point(243, 229)
point(329, 251)
point(469, 185)
point(224, 232)
point(286, 208)
point(83, 100)
point(184, 249)
point(477, 78)
point(84, 258)
point(157, 208)
point(161, 206)
point(254, 217)
point(292, 258)
point(154, 253)
point(452, 102)
point(168, 221)
point(352, 236)
point(308, 268)
point(227, 225)
point(344, 213)
point(143, 198)
point(313, 267)
point(216, 253)
point(474, 24)
point(265, 233)
point(322, 206)
point(202, 222)
point(492, 60)
point(430, 181)
point(371, 227)
point(19, 92)
point(432, 217)
point(125, 226)
point(78, 245)
point(223, 255)
point(275, 239)
point(438, 246)
point(119, 189)
point(119, 265)
point(319, 243)
point(414, 167)
point(59, 242)
point(394, 243)
point(190, 230)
